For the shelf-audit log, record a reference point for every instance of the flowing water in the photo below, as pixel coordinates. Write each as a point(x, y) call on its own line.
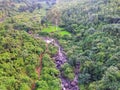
point(60, 59)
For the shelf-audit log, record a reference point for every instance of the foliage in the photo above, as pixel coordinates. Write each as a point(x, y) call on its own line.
point(67, 71)
point(19, 58)
point(88, 30)
point(49, 74)
point(94, 43)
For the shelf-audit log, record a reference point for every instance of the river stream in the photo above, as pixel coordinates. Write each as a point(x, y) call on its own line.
point(60, 59)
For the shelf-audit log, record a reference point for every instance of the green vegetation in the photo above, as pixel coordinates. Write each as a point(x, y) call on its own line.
point(63, 33)
point(68, 71)
point(52, 29)
point(19, 58)
point(20, 53)
point(88, 31)
point(95, 42)
point(49, 74)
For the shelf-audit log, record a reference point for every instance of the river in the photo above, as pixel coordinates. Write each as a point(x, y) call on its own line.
point(60, 59)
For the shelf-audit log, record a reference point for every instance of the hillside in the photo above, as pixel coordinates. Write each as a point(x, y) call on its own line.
point(94, 42)
point(20, 58)
point(60, 45)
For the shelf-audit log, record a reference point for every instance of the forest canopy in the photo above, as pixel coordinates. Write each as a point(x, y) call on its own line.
point(84, 32)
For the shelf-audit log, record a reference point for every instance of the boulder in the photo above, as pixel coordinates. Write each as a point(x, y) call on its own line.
point(66, 85)
point(73, 83)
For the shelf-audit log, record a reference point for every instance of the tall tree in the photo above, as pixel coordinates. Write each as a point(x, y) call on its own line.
point(54, 16)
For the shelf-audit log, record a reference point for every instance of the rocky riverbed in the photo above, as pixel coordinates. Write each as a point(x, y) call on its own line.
point(60, 59)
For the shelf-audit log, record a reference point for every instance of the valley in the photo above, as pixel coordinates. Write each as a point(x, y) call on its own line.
point(59, 44)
